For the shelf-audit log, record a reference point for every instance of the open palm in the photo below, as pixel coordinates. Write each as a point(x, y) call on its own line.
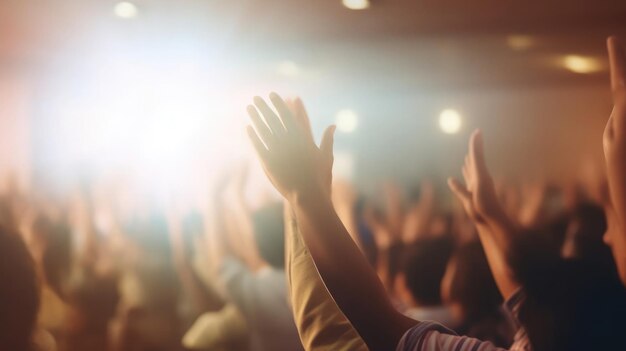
point(284, 142)
point(478, 195)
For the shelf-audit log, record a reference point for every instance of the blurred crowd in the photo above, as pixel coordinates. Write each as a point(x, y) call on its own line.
point(492, 264)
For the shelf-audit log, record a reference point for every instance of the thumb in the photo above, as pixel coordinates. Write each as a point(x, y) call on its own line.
point(478, 154)
point(459, 190)
point(328, 140)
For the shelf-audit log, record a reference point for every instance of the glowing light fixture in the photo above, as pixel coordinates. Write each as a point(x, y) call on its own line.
point(347, 120)
point(288, 69)
point(356, 4)
point(520, 42)
point(450, 121)
point(126, 10)
point(582, 64)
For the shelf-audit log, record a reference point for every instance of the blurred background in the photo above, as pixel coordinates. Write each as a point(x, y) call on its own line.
point(155, 91)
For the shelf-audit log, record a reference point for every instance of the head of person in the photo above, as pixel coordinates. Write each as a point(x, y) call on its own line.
point(269, 234)
point(570, 303)
point(468, 287)
point(19, 293)
point(93, 302)
point(423, 265)
point(584, 236)
point(50, 245)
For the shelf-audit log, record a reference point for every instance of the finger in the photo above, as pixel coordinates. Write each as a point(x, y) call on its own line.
point(466, 176)
point(617, 61)
point(257, 143)
point(477, 153)
point(303, 118)
point(283, 111)
point(272, 120)
point(459, 190)
point(262, 129)
point(328, 140)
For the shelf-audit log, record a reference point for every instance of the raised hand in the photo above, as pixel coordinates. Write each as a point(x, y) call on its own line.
point(615, 156)
point(495, 230)
point(284, 143)
point(478, 196)
point(616, 126)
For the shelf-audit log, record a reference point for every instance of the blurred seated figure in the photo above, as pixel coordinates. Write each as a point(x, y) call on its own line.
point(471, 293)
point(261, 295)
point(19, 295)
point(419, 282)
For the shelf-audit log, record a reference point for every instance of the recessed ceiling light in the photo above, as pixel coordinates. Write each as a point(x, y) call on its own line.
point(520, 42)
point(450, 121)
point(288, 69)
point(582, 64)
point(125, 10)
point(347, 120)
point(356, 4)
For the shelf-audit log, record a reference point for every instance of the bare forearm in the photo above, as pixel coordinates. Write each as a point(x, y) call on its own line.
point(498, 263)
point(616, 171)
point(347, 275)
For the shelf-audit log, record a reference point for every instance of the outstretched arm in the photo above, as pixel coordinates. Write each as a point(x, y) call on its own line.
point(615, 132)
point(615, 156)
point(495, 230)
point(301, 172)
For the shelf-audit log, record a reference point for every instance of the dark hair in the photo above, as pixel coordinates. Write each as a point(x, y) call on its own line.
point(424, 264)
point(572, 304)
point(473, 285)
point(57, 240)
point(96, 297)
point(588, 224)
point(19, 293)
point(269, 234)
point(474, 288)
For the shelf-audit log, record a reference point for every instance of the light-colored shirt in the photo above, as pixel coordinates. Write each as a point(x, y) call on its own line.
point(262, 299)
point(430, 336)
point(217, 330)
point(439, 314)
point(321, 324)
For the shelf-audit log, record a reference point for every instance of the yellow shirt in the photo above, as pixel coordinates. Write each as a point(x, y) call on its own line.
point(320, 322)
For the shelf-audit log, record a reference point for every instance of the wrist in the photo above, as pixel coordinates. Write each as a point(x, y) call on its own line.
point(310, 194)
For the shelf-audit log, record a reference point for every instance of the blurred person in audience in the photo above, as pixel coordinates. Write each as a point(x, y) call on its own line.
point(19, 297)
point(148, 315)
point(211, 322)
point(470, 292)
point(249, 249)
point(419, 282)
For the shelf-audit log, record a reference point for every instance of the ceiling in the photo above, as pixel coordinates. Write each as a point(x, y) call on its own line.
point(400, 61)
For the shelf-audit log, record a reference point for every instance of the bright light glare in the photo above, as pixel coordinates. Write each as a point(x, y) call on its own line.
point(125, 10)
point(450, 121)
point(167, 125)
point(288, 69)
point(520, 42)
point(356, 4)
point(582, 64)
point(347, 120)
